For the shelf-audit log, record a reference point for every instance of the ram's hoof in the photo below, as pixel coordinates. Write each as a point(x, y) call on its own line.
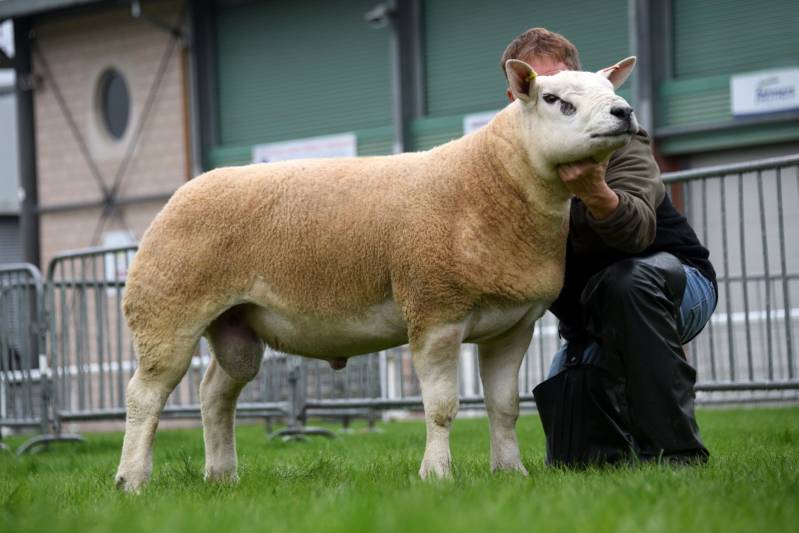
point(431, 470)
point(218, 477)
point(127, 484)
point(509, 467)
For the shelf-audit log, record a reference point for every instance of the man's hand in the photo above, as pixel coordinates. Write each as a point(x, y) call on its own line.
point(586, 180)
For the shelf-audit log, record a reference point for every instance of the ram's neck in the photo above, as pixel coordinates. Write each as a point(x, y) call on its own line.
point(510, 224)
point(506, 163)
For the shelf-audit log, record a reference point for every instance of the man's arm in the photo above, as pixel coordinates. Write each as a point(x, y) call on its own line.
point(619, 197)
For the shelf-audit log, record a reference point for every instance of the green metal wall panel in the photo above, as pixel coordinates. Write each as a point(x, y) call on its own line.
point(715, 37)
point(713, 40)
point(464, 40)
point(376, 141)
point(289, 70)
point(430, 132)
point(699, 101)
point(729, 138)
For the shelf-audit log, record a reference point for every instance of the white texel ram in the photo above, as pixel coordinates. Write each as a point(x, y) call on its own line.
point(339, 257)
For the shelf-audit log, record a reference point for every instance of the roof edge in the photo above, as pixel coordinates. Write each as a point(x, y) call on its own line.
point(20, 8)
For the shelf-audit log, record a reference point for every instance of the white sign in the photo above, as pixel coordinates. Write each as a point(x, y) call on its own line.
point(7, 38)
point(476, 121)
point(344, 145)
point(7, 46)
point(763, 92)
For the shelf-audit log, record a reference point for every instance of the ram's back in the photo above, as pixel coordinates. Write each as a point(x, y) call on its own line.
point(319, 236)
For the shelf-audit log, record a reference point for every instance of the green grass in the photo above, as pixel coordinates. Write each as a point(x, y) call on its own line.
point(367, 482)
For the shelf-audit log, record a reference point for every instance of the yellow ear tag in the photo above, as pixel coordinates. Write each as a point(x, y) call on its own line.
point(531, 76)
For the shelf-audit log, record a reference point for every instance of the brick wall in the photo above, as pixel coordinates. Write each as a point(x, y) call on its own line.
point(79, 47)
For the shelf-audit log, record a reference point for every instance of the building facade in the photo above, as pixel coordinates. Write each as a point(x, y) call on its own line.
point(109, 113)
point(132, 98)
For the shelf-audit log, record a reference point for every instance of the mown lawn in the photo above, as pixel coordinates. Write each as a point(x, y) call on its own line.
point(367, 482)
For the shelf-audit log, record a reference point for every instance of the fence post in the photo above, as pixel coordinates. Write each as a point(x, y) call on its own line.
point(298, 395)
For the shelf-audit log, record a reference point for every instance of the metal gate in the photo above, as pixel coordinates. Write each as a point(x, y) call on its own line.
point(25, 379)
point(746, 215)
point(93, 353)
point(23, 396)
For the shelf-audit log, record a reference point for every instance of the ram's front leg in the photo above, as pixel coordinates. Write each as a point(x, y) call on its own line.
point(500, 359)
point(435, 359)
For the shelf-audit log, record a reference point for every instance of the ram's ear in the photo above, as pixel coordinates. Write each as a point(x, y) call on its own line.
point(618, 73)
point(521, 79)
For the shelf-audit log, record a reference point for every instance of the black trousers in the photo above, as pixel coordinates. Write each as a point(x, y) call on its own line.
point(635, 397)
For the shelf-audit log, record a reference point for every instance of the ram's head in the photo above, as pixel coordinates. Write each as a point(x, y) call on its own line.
point(573, 115)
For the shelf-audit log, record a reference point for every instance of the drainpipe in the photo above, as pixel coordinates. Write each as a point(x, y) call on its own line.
point(406, 66)
point(640, 20)
point(202, 80)
point(26, 135)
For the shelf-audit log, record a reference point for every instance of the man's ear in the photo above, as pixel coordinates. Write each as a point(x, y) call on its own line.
point(618, 73)
point(521, 79)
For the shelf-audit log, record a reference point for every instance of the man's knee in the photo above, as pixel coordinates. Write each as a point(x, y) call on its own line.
point(617, 282)
point(656, 276)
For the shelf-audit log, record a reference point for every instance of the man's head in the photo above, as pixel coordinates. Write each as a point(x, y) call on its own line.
point(546, 51)
point(573, 114)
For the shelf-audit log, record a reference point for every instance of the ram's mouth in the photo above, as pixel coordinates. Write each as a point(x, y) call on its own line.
point(614, 133)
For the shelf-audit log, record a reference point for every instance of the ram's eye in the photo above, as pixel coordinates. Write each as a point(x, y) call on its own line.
point(550, 98)
point(566, 108)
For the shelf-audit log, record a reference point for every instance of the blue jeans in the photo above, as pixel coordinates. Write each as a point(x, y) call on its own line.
point(698, 303)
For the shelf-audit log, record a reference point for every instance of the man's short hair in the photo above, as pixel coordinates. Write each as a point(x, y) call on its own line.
point(542, 42)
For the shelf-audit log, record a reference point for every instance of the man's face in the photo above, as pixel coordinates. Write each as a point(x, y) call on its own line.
point(543, 66)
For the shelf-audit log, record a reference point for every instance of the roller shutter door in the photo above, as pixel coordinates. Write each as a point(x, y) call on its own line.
point(465, 39)
point(10, 247)
point(289, 70)
point(713, 40)
point(730, 36)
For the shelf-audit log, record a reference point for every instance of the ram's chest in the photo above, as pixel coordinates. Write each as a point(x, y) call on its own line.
point(515, 267)
point(490, 321)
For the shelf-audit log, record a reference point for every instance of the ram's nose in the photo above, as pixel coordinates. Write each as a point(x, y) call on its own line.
point(622, 112)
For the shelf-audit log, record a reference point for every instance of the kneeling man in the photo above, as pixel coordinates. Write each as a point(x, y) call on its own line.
point(638, 287)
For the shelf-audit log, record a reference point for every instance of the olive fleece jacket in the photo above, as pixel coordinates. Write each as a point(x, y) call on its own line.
point(634, 176)
point(645, 222)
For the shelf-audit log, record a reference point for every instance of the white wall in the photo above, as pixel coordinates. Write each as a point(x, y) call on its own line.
point(7, 45)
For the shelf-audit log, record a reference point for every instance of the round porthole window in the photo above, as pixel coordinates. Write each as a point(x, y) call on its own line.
point(113, 103)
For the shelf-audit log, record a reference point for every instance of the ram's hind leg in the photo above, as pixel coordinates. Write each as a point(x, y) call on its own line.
point(237, 357)
point(161, 367)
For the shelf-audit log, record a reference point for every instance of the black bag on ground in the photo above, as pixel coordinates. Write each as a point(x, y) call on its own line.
point(584, 412)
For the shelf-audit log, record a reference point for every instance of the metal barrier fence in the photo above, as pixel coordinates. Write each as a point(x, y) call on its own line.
point(92, 351)
point(22, 398)
point(743, 213)
point(25, 379)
